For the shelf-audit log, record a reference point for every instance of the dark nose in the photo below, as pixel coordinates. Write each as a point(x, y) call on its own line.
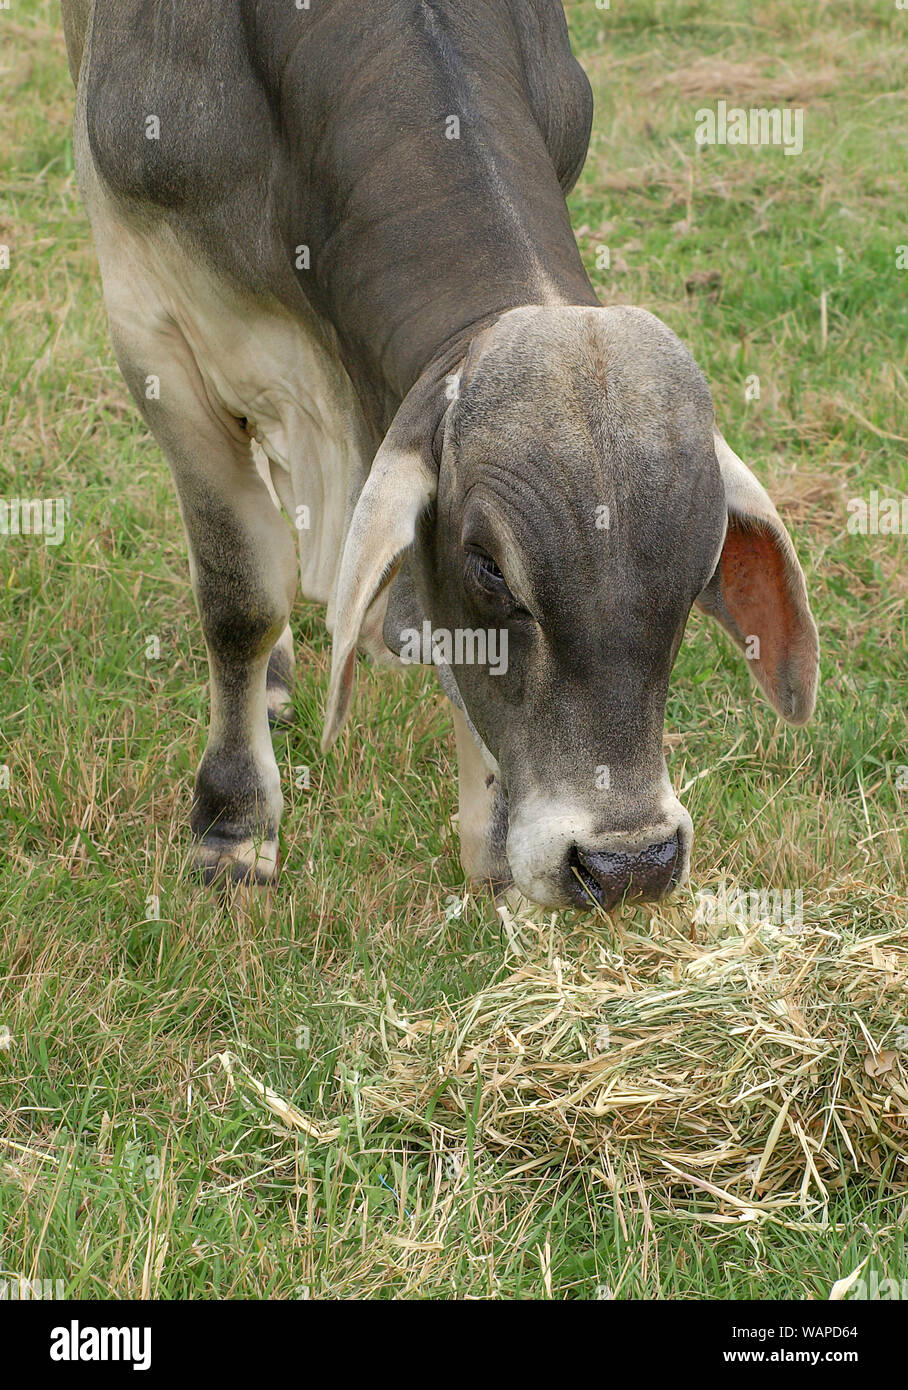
point(607, 878)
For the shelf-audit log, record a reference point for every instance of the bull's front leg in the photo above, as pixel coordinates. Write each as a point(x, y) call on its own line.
point(483, 814)
point(244, 570)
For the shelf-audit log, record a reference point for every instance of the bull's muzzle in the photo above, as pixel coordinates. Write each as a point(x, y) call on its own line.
point(610, 878)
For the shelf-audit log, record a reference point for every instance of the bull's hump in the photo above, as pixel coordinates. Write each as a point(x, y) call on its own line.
point(176, 118)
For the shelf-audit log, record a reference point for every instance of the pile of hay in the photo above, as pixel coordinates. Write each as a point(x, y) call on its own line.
point(757, 1064)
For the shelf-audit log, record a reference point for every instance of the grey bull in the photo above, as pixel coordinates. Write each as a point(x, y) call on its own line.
point(343, 289)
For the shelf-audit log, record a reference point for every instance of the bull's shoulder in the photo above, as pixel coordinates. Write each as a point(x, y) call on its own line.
point(175, 114)
point(557, 86)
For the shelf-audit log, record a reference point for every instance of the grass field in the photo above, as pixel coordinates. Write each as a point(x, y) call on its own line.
point(128, 1164)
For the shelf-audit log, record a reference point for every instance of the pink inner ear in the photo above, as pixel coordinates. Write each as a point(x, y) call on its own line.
point(756, 594)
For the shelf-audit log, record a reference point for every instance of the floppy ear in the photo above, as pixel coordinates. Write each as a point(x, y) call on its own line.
point(758, 594)
point(401, 484)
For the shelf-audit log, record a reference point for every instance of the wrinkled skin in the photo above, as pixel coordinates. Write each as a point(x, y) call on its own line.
point(564, 417)
point(594, 615)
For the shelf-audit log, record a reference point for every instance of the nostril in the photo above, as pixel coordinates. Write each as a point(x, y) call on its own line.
point(583, 882)
point(609, 877)
point(605, 877)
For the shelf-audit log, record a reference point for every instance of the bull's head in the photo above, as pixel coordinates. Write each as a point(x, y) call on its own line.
point(574, 500)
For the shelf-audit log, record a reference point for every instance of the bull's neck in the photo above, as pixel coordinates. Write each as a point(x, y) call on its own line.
point(427, 228)
point(433, 286)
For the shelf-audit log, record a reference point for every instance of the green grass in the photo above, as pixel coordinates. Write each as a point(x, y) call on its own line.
point(127, 1165)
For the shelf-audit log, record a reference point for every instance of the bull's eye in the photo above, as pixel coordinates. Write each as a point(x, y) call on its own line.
point(484, 572)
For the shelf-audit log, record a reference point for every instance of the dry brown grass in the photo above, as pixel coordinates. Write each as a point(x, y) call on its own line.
point(756, 1064)
point(749, 82)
